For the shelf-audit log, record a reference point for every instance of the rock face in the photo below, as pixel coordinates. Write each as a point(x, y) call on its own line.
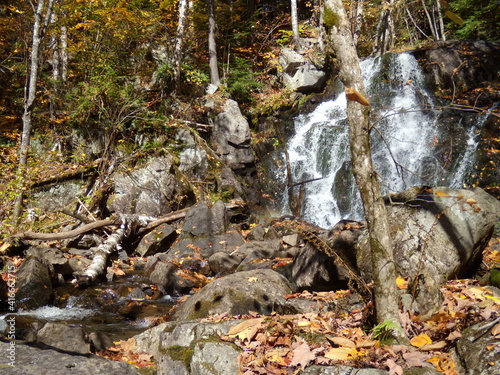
point(231, 137)
point(300, 74)
point(153, 190)
point(478, 350)
point(33, 361)
point(34, 283)
point(460, 63)
point(438, 234)
point(262, 291)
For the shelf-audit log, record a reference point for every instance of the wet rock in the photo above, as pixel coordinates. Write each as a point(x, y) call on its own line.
point(158, 240)
point(152, 190)
point(63, 337)
point(478, 350)
point(34, 361)
point(231, 137)
point(34, 282)
point(262, 291)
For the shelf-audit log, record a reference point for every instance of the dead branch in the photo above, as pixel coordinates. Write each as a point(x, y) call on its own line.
point(28, 235)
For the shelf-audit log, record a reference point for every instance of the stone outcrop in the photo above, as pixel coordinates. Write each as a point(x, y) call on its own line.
point(231, 137)
point(152, 190)
point(298, 73)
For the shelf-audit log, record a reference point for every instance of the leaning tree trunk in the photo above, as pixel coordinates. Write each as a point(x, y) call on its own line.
point(384, 271)
point(40, 24)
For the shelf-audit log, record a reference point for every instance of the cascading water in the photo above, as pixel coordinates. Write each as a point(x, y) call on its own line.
point(403, 142)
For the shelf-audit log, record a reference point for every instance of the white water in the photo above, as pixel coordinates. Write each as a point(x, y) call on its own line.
point(404, 125)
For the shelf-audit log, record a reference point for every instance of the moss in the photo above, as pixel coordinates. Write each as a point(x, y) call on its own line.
point(330, 18)
point(183, 354)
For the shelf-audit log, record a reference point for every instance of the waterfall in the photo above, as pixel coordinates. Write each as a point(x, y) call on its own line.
point(403, 142)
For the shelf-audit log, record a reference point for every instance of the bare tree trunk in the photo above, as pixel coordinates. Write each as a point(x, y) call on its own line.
point(40, 24)
point(431, 23)
point(384, 271)
point(295, 24)
point(439, 15)
point(179, 40)
point(356, 18)
point(385, 29)
point(212, 46)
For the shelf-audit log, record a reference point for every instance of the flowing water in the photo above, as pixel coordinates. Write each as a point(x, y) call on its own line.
point(404, 142)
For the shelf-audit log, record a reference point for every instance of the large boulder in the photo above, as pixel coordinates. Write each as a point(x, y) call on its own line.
point(29, 360)
point(190, 348)
point(231, 137)
point(63, 337)
point(298, 73)
point(262, 291)
point(438, 234)
point(34, 282)
point(152, 190)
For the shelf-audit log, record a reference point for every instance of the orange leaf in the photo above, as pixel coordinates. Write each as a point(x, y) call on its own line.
point(420, 340)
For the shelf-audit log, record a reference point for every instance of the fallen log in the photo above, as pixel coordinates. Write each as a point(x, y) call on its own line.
point(29, 235)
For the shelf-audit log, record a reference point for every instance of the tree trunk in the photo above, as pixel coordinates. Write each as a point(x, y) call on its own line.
point(384, 271)
point(295, 24)
point(40, 24)
point(356, 18)
point(385, 29)
point(212, 46)
point(179, 40)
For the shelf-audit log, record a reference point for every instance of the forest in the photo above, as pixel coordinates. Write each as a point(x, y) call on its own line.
point(123, 73)
point(159, 118)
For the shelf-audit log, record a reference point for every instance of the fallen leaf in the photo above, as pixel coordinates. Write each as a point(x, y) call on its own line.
point(401, 283)
point(420, 340)
point(496, 330)
point(394, 368)
point(341, 341)
point(302, 355)
point(441, 194)
point(436, 346)
point(416, 359)
point(341, 354)
point(234, 330)
point(252, 279)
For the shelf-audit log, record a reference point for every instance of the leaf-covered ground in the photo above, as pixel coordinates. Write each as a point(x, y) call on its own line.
point(286, 344)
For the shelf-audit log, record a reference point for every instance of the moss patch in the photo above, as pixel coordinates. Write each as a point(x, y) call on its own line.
point(330, 18)
point(183, 354)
